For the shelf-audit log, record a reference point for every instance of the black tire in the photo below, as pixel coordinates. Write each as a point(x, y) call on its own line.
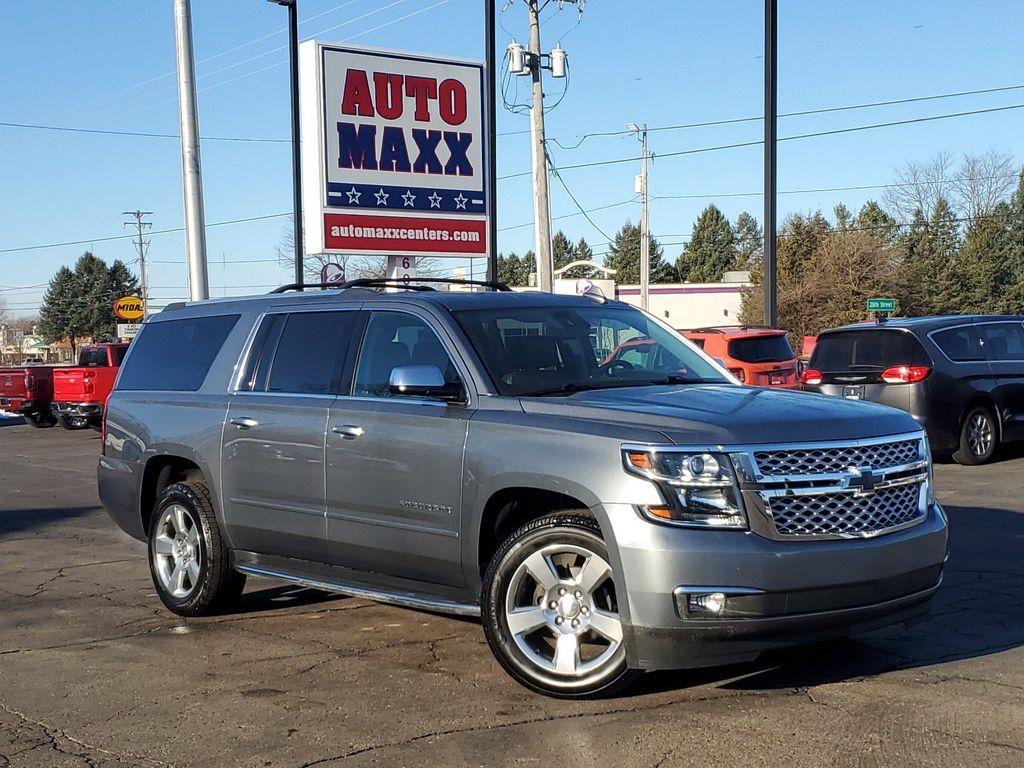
point(39, 420)
point(217, 585)
point(979, 437)
point(561, 529)
point(72, 422)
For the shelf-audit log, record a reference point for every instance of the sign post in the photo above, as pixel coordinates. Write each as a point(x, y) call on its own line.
point(394, 154)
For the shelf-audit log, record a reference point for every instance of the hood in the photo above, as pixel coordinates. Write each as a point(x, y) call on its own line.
point(724, 414)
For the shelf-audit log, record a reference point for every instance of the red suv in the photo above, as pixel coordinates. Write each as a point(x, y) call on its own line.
point(760, 357)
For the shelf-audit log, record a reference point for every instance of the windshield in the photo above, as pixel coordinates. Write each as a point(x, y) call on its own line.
point(761, 349)
point(549, 350)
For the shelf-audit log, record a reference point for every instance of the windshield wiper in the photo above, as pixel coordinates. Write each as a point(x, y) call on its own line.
point(572, 387)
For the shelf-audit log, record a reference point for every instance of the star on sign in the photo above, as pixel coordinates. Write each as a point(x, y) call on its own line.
point(353, 196)
point(409, 198)
point(382, 197)
point(460, 202)
point(435, 200)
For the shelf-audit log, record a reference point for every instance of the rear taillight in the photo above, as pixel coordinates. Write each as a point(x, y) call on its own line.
point(739, 374)
point(30, 383)
point(811, 376)
point(88, 386)
point(905, 374)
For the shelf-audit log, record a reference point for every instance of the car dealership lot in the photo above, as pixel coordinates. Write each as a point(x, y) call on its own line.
point(93, 670)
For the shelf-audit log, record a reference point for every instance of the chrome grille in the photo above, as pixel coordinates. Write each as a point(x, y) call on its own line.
point(822, 461)
point(845, 514)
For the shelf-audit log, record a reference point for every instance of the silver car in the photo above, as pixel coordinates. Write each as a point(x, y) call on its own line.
point(605, 509)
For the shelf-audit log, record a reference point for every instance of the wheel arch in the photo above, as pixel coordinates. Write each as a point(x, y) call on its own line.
point(159, 472)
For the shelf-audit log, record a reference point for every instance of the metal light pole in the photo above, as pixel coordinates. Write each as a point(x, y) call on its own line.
point(191, 167)
point(293, 56)
point(492, 139)
point(771, 310)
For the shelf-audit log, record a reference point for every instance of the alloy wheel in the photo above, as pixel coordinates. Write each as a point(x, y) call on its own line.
point(980, 434)
point(177, 556)
point(562, 613)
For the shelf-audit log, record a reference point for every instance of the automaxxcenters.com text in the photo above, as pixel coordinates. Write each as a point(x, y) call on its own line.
point(398, 233)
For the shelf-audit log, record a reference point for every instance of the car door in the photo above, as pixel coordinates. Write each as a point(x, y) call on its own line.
point(1003, 343)
point(394, 462)
point(273, 445)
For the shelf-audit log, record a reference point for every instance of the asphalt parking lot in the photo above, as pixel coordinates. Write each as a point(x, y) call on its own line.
point(94, 672)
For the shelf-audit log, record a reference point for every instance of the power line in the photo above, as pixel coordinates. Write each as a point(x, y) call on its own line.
point(586, 215)
point(144, 134)
point(91, 240)
point(759, 142)
point(801, 113)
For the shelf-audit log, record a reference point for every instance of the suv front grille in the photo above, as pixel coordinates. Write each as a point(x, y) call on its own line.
point(821, 461)
point(845, 514)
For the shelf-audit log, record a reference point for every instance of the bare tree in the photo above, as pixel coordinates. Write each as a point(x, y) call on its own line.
point(983, 181)
point(919, 185)
point(3, 311)
point(355, 267)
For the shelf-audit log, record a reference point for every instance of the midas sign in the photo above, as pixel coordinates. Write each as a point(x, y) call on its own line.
point(393, 151)
point(129, 308)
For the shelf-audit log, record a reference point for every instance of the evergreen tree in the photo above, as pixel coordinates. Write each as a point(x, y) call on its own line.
point(1015, 295)
point(58, 315)
point(514, 270)
point(981, 278)
point(96, 314)
point(624, 258)
point(873, 218)
point(562, 250)
point(749, 239)
point(711, 250)
point(844, 219)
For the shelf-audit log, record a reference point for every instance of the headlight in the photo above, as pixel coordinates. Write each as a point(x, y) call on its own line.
point(699, 488)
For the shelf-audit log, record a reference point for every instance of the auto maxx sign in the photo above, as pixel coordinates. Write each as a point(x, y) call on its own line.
point(393, 152)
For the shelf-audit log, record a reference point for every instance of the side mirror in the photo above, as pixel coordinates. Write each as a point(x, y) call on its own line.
point(422, 381)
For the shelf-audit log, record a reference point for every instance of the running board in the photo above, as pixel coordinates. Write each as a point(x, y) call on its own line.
point(379, 596)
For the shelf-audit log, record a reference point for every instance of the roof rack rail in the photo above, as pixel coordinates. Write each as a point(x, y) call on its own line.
point(385, 282)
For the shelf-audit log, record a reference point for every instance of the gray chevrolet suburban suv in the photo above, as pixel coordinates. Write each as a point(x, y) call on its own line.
point(490, 453)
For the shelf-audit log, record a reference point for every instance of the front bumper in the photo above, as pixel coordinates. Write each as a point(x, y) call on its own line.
point(794, 592)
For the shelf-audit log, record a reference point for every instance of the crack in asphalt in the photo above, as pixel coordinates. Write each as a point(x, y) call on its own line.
point(51, 735)
point(546, 719)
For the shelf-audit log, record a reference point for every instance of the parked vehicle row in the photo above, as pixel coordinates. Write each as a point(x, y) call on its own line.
point(73, 396)
point(961, 377)
point(605, 506)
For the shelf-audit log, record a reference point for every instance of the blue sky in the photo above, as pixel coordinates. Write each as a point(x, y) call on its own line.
point(110, 65)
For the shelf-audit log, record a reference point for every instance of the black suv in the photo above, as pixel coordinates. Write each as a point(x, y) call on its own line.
point(961, 376)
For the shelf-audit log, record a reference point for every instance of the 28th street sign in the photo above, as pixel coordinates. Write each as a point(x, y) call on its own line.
point(392, 153)
point(881, 305)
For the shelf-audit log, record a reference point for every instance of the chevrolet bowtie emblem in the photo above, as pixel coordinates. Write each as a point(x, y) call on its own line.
point(862, 481)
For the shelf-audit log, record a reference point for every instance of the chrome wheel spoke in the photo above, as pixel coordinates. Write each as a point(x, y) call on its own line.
point(179, 518)
point(178, 579)
point(607, 625)
point(163, 545)
point(193, 572)
point(594, 571)
point(525, 620)
point(567, 650)
point(193, 536)
point(541, 569)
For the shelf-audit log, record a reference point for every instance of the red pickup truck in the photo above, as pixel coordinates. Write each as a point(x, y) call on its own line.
point(80, 393)
point(28, 391)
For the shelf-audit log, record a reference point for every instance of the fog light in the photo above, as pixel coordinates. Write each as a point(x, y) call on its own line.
point(707, 602)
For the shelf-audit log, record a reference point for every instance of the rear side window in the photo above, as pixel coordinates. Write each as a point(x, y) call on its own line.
point(961, 345)
point(119, 353)
point(310, 353)
point(1002, 341)
point(867, 350)
point(175, 355)
point(761, 349)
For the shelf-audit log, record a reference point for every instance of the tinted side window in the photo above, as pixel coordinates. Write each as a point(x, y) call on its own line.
point(310, 353)
point(961, 345)
point(393, 340)
point(1002, 341)
point(175, 355)
point(119, 353)
point(93, 357)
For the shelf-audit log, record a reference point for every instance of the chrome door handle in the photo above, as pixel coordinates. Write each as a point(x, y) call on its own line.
point(348, 431)
point(244, 422)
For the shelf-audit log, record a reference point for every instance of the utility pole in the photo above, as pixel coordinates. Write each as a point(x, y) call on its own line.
point(645, 222)
point(492, 138)
point(541, 204)
point(771, 310)
point(191, 167)
point(293, 57)
point(142, 246)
